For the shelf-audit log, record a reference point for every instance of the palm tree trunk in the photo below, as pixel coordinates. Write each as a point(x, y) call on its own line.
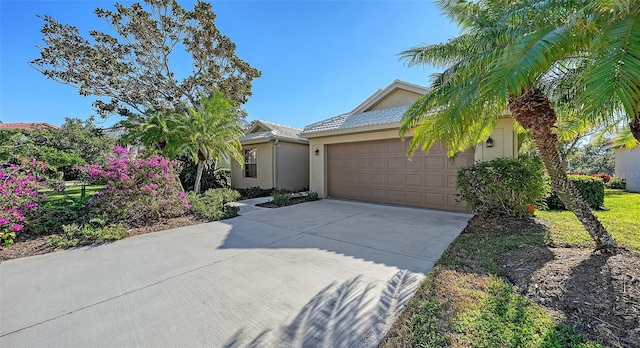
point(196, 187)
point(534, 112)
point(635, 127)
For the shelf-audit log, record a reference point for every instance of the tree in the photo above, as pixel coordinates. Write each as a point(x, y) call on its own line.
point(481, 79)
point(132, 69)
point(159, 133)
point(210, 133)
point(601, 36)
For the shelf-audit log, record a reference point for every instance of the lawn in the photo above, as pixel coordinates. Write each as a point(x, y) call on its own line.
point(73, 191)
point(466, 300)
point(622, 220)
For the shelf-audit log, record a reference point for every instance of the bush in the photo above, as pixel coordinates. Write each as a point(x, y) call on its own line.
point(96, 231)
point(136, 191)
point(212, 205)
point(504, 186)
point(312, 196)
point(282, 199)
point(604, 176)
point(590, 188)
point(19, 185)
point(617, 183)
point(211, 178)
point(255, 192)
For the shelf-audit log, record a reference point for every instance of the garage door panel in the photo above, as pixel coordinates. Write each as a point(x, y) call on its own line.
point(414, 180)
point(436, 180)
point(379, 171)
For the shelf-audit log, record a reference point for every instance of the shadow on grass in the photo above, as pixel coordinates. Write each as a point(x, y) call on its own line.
point(348, 314)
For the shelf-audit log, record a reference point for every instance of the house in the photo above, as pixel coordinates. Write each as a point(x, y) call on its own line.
point(359, 155)
point(27, 126)
point(628, 167)
point(274, 156)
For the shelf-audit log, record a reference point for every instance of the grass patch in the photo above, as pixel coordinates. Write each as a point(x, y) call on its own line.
point(73, 192)
point(621, 220)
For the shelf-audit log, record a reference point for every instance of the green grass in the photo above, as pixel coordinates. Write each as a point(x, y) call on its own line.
point(464, 301)
point(621, 220)
point(74, 191)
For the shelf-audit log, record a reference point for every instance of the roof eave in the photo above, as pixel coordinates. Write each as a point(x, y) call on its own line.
point(352, 130)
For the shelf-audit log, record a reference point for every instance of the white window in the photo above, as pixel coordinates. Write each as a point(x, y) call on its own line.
point(251, 163)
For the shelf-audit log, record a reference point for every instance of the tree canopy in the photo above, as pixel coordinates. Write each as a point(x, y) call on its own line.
point(131, 70)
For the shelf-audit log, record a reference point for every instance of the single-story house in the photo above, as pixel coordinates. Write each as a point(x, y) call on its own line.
point(274, 156)
point(359, 155)
point(628, 167)
point(27, 126)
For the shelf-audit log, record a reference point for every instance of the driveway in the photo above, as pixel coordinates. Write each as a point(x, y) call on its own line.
point(326, 273)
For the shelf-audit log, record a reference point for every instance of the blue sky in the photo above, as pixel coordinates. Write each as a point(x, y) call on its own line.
point(318, 58)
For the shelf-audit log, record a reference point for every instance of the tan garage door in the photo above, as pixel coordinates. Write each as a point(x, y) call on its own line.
point(378, 171)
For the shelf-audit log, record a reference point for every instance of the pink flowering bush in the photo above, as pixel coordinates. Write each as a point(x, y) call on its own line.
point(19, 185)
point(137, 190)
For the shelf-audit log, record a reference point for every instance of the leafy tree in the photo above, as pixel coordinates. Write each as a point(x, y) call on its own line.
point(592, 159)
point(482, 78)
point(132, 69)
point(210, 133)
point(159, 133)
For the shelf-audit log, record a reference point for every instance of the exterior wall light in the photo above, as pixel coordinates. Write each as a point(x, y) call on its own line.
point(489, 142)
point(317, 152)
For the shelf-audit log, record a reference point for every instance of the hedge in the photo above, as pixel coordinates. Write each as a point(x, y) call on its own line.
point(590, 188)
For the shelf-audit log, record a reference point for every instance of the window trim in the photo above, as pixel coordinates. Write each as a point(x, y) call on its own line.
point(244, 170)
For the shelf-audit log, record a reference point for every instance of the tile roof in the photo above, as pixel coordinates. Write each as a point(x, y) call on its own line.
point(27, 126)
point(274, 131)
point(349, 120)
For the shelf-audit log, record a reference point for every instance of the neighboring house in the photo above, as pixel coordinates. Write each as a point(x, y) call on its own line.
point(628, 167)
point(274, 156)
point(359, 155)
point(26, 126)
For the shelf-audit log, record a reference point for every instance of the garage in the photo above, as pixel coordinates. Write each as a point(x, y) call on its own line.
point(379, 171)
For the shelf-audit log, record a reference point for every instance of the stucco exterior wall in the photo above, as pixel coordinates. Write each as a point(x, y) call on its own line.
point(397, 98)
point(265, 168)
point(628, 167)
point(505, 145)
point(292, 168)
point(505, 142)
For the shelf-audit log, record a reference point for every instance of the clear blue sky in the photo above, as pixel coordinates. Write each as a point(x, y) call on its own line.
point(318, 58)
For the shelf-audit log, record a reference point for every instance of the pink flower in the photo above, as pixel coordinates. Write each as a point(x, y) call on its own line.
point(4, 221)
point(15, 228)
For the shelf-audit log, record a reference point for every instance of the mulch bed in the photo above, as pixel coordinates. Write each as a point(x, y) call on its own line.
point(29, 245)
point(596, 293)
point(294, 200)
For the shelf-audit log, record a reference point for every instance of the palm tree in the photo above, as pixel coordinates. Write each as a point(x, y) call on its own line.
point(480, 81)
point(210, 133)
point(158, 133)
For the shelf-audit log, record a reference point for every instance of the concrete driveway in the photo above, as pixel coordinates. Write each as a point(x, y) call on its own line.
point(328, 273)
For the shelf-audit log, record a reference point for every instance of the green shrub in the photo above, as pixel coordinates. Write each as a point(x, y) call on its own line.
point(281, 199)
point(213, 204)
point(504, 186)
point(211, 178)
point(617, 183)
point(96, 231)
point(590, 188)
point(255, 192)
point(312, 196)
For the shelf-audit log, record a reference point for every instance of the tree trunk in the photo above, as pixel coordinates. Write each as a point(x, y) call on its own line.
point(196, 187)
point(534, 112)
point(635, 127)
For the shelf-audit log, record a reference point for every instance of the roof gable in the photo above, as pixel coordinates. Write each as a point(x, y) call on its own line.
point(384, 94)
point(263, 131)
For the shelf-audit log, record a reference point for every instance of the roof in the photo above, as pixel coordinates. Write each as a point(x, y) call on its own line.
point(271, 131)
point(27, 126)
point(384, 92)
point(389, 116)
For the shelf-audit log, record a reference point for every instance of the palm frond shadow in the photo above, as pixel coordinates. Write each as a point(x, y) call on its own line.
point(348, 314)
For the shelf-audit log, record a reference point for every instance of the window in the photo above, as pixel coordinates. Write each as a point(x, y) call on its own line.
point(251, 163)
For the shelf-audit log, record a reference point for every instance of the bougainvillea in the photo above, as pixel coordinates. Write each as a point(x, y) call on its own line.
point(19, 185)
point(137, 190)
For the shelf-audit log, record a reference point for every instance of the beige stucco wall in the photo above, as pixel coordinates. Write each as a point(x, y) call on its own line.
point(265, 168)
point(397, 98)
point(505, 142)
point(292, 169)
point(628, 167)
point(505, 145)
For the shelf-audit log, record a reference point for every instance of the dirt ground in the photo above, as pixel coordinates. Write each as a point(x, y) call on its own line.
point(28, 245)
point(294, 200)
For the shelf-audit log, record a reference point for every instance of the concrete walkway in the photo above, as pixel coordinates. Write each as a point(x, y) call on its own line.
point(328, 273)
